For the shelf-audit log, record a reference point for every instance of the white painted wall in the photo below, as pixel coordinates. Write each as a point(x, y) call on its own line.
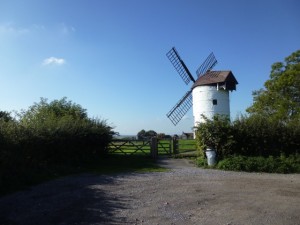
point(203, 102)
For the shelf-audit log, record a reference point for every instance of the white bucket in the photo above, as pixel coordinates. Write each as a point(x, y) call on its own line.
point(211, 156)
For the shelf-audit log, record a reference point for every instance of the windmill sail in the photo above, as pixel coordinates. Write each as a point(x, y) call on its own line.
point(180, 66)
point(208, 64)
point(181, 108)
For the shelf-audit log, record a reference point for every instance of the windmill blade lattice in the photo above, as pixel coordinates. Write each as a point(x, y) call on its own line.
point(208, 64)
point(181, 108)
point(180, 66)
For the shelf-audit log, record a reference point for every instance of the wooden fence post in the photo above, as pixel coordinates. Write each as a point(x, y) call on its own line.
point(154, 148)
point(175, 145)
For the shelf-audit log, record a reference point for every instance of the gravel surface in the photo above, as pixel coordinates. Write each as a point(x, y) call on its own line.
point(182, 195)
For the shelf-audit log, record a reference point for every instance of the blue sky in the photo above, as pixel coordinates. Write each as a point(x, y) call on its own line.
point(109, 56)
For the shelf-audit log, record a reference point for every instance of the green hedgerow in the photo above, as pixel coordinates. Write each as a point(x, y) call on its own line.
point(269, 164)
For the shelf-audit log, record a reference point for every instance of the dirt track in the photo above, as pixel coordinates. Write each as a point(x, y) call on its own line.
point(183, 195)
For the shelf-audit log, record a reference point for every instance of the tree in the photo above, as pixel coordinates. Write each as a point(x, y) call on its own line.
point(161, 135)
point(150, 133)
point(142, 135)
point(56, 110)
point(5, 116)
point(280, 99)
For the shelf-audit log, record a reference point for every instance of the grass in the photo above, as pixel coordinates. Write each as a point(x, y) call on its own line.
point(189, 144)
point(111, 164)
point(123, 163)
point(186, 149)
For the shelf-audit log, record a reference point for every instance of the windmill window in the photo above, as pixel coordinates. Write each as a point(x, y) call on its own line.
point(215, 102)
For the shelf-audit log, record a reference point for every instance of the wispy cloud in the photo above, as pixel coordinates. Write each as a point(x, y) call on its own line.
point(66, 30)
point(12, 29)
point(38, 27)
point(53, 61)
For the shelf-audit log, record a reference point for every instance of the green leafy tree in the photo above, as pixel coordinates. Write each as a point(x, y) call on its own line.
point(142, 135)
point(280, 99)
point(63, 130)
point(5, 116)
point(150, 133)
point(161, 135)
point(43, 111)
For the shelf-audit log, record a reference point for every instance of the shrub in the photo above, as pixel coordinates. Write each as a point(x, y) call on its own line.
point(248, 136)
point(49, 134)
point(201, 162)
point(259, 136)
point(270, 164)
point(216, 134)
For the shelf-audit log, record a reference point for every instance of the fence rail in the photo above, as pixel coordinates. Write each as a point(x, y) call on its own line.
point(129, 147)
point(164, 147)
point(153, 147)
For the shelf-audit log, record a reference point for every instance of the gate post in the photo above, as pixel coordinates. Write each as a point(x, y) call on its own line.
point(154, 148)
point(175, 145)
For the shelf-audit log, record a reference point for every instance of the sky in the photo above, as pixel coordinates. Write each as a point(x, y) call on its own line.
point(109, 56)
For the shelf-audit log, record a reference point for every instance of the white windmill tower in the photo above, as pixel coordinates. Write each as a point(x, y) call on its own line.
point(209, 94)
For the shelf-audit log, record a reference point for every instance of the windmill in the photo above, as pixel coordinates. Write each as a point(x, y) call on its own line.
point(209, 95)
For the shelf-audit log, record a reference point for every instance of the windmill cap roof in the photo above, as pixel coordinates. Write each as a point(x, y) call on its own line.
point(215, 77)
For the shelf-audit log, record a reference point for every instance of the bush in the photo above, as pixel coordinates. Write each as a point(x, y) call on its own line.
point(201, 162)
point(258, 136)
point(248, 136)
point(216, 134)
point(61, 132)
point(47, 135)
point(270, 164)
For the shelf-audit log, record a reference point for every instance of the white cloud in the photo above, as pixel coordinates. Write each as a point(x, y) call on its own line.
point(53, 61)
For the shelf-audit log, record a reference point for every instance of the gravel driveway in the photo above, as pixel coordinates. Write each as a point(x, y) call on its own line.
point(183, 195)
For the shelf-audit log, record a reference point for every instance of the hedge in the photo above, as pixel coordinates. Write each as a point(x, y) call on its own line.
point(248, 136)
